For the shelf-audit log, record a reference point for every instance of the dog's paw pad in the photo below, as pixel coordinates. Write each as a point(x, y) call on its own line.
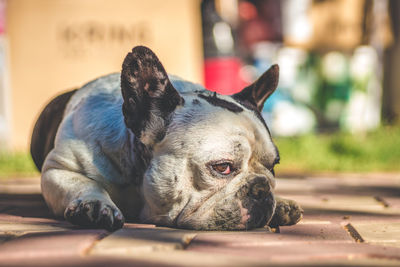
point(94, 214)
point(287, 212)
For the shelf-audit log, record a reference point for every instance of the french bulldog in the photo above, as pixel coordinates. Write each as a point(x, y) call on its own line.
point(152, 148)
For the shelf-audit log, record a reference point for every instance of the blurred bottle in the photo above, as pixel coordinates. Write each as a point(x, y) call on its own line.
point(4, 88)
point(221, 64)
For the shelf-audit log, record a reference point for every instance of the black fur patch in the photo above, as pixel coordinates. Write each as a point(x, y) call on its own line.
point(218, 102)
point(258, 200)
point(46, 127)
point(145, 89)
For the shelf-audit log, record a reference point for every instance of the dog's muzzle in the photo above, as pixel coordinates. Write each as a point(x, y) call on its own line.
point(257, 199)
point(249, 207)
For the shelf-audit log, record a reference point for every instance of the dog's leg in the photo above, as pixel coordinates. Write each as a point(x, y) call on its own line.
point(287, 212)
point(80, 200)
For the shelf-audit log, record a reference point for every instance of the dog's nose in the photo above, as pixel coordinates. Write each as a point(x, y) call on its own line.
point(259, 188)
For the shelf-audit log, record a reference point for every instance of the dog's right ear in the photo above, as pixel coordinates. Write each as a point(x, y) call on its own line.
point(149, 97)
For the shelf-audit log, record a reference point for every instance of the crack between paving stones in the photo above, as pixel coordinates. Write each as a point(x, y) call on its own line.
point(8, 236)
point(382, 201)
point(87, 251)
point(187, 239)
point(353, 233)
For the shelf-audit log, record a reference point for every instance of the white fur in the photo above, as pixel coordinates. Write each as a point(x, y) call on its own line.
point(92, 140)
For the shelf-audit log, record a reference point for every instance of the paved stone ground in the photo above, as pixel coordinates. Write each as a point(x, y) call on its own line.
point(348, 221)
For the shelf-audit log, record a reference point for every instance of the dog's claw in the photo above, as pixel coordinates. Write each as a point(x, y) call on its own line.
point(287, 212)
point(94, 214)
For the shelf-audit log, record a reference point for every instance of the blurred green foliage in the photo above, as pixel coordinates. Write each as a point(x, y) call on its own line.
point(16, 164)
point(377, 151)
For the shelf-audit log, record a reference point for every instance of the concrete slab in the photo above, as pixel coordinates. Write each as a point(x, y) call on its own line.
point(347, 185)
point(334, 204)
point(5, 237)
point(393, 202)
point(20, 219)
point(18, 229)
point(187, 258)
point(139, 240)
point(49, 245)
point(138, 225)
point(30, 234)
point(25, 205)
point(314, 230)
point(293, 251)
point(379, 233)
point(20, 186)
point(182, 258)
point(65, 261)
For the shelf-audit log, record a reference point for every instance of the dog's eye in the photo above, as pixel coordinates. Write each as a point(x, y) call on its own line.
point(224, 168)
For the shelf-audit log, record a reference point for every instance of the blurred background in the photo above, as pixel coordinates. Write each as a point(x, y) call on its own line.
point(336, 109)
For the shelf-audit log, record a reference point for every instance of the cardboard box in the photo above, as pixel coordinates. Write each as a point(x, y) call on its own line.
point(55, 45)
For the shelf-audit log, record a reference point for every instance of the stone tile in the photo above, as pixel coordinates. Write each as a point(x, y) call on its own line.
point(26, 205)
point(9, 218)
point(348, 216)
point(6, 218)
point(288, 186)
point(360, 186)
point(308, 242)
point(306, 232)
point(314, 230)
point(20, 185)
point(393, 202)
point(183, 258)
point(18, 228)
point(130, 240)
point(292, 251)
point(49, 245)
point(343, 204)
point(37, 239)
point(379, 233)
point(5, 237)
point(350, 261)
point(188, 258)
point(138, 225)
point(68, 261)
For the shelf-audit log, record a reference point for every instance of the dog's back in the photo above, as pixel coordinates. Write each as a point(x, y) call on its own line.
point(46, 127)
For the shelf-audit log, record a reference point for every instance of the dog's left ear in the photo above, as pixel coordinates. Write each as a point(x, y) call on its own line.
point(149, 97)
point(258, 92)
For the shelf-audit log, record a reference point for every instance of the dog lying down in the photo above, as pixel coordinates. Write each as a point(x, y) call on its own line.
point(147, 147)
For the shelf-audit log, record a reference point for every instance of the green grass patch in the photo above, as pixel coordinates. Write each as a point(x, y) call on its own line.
point(17, 164)
point(377, 151)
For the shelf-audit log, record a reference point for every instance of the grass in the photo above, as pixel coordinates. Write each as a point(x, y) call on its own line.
point(378, 151)
point(17, 164)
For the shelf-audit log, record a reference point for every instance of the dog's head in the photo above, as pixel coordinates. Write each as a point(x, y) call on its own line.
point(212, 155)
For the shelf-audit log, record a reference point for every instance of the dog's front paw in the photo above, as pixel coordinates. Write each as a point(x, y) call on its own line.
point(94, 214)
point(287, 212)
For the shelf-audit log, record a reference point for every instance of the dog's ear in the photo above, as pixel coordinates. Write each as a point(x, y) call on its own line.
point(258, 92)
point(149, 97)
